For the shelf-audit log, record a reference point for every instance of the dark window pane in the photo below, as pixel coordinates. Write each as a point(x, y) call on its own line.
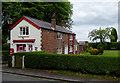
point(27, 31)
point(23, 30)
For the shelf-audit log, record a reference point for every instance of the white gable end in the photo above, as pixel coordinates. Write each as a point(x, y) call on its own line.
point(34, 33)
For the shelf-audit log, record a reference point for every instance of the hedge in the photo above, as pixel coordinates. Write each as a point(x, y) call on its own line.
point(5, 46)
point(84, 64)
point(5, 55)
point(107, 45)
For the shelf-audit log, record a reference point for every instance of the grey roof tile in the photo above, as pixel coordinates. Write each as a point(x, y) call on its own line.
point(47, 25)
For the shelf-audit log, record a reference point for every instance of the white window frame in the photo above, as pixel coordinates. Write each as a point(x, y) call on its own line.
point(59, 50)
point(59, 37)
point(25, 31)
point(71, 37)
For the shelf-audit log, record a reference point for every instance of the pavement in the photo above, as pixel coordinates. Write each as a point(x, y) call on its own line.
point(47, 75)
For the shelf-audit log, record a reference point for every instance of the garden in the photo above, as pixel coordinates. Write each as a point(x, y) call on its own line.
point(101, 64)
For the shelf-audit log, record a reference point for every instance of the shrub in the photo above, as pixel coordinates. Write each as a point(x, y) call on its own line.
point(5, 46)
point(94, 52)
point(85, 64)
point(90, 48)
point(107, 45)
point(5, 55)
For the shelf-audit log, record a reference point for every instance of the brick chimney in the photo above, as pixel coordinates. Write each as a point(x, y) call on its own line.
point(53, 21)
point(64, 23)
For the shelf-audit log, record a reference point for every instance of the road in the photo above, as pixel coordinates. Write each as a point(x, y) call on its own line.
point(11, 78)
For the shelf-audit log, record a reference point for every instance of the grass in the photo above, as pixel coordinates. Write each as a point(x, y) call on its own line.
point(71, 73)
point(109, 53)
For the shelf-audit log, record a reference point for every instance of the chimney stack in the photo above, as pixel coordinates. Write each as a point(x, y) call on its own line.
point(64, 23)
point(53, 21)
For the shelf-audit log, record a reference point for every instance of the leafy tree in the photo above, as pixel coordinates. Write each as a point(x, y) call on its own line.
point(101, 34)
point(114, 33)
point(39, 10)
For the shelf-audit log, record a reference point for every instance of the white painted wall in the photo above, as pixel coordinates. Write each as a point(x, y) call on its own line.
point(34, 33)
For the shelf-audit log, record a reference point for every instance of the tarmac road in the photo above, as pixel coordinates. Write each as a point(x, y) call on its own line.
point(14, 78)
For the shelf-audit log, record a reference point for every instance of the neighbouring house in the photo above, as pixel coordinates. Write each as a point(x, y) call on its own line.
point(30, 34)
point(83, 46)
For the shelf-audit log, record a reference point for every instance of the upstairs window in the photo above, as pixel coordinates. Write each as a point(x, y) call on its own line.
point(71, 37)
point(59, 35)
point(24, 30)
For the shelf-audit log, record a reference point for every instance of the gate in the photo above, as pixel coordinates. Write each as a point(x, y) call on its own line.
point(18, 61)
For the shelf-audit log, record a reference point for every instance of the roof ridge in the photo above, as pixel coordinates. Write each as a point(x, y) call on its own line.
point(47, 25)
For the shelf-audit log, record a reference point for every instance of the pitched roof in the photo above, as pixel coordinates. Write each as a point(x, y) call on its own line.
point(47, 25)
point(42, 24)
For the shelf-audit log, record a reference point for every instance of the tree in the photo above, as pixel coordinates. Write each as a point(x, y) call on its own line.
point(114, 33)
point(101, 34)
point(39, 10)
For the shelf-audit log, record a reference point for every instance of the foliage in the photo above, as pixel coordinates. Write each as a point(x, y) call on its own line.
point(94, 52)
point(5, 55)
point(107, 45)
point(100, 48)
point(101, 34)
point(114, 33)
point(85, 64)
point(5, 46)
point(39, 10)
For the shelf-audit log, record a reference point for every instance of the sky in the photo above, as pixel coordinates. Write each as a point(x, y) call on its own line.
point(93, 15)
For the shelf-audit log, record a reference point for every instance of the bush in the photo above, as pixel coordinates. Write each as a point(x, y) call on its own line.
point(5, 46)
point(94, 52)
point(85, 64)
point(5, 55)
point(107, 45)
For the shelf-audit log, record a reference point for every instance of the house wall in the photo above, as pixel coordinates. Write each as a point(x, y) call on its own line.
point(34, 33)
point(50, 43)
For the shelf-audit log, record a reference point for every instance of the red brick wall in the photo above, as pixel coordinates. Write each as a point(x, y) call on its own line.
point(50, 43)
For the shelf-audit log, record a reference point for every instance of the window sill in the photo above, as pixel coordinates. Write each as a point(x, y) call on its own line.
point(23, 35)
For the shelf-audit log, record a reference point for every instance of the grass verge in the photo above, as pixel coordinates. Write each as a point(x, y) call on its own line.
point(71, 73)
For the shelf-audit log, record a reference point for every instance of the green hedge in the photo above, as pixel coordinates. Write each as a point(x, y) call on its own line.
point(5, 55)
point(107, 45)
point(85, 64)
point(5, 46)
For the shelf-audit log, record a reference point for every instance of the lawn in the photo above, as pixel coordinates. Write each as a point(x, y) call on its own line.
point(109, 53)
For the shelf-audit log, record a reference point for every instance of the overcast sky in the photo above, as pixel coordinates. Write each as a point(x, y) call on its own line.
point(92, 15)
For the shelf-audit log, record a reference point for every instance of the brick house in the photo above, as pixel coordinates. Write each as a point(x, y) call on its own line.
point(29, 34)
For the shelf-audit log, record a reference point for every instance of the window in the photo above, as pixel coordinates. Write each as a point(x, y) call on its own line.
point(75, 47)
point(71, 37)
point(59, 35)
point(30, 48)
point(24, 30)
point(59, 50)
point(70, 50)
